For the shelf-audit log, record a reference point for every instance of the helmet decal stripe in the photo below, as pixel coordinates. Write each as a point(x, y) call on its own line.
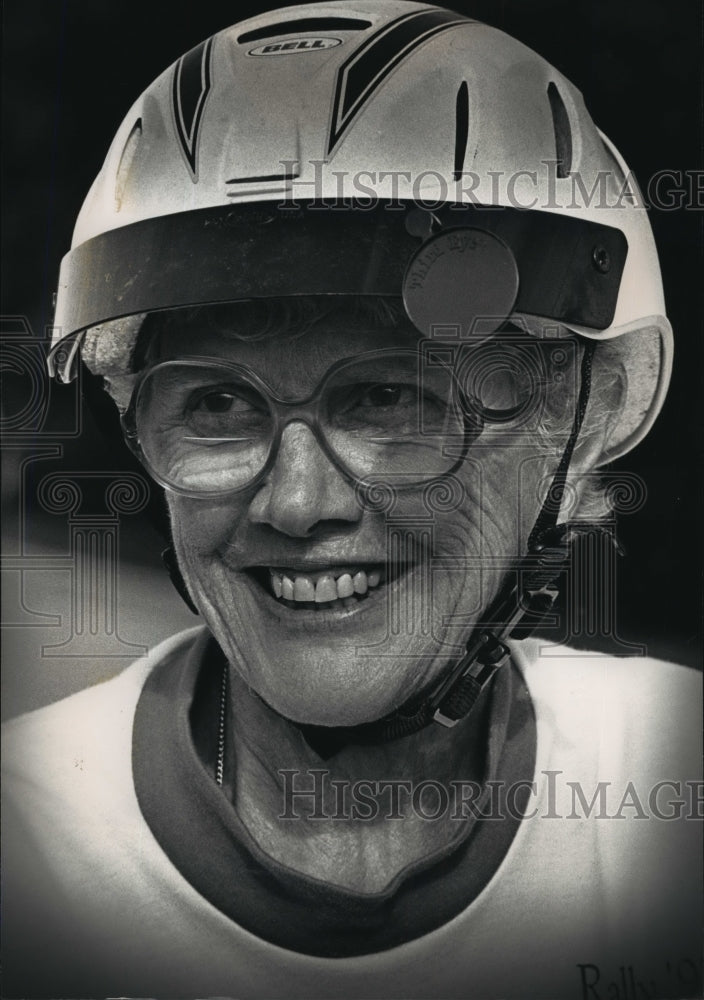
point(367, 68)
point(191, 85)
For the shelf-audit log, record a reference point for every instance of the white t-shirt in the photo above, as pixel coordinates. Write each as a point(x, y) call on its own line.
point(594, 899)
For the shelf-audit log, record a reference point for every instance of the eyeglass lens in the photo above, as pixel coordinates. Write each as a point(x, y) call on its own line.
point(211, 428)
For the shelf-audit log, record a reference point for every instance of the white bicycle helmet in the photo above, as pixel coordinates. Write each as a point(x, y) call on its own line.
point(379, 148)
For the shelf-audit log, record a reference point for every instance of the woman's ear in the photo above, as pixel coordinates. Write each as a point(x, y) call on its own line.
point(608, 396)
point(641, 362)
point(607, 402)
point(630, 375)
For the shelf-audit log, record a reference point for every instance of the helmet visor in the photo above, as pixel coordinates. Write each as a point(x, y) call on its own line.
point(478, 263)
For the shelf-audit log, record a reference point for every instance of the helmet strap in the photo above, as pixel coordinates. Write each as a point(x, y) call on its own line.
point(549, 512)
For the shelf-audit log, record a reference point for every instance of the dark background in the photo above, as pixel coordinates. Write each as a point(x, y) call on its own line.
point(73, 68)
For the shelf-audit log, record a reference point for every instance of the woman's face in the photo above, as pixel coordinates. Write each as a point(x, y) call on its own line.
point(334, 611)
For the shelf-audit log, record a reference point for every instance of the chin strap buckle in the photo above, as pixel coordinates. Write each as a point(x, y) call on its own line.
point(517, 615)
point(475, 669)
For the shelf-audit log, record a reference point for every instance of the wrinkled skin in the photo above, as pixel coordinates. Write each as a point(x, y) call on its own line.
point(324, 667)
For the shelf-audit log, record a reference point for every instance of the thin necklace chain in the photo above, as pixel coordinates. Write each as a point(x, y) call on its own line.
point(220, 763)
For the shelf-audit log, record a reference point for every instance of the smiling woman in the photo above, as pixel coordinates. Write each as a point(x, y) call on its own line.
point(378, 423)
point(284, 496)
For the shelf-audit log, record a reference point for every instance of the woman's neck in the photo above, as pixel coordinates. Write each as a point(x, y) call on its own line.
point(361, 817)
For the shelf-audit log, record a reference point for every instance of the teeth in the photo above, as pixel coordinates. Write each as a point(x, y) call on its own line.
point(323, 588)
point(344, 586)
point(303, 589)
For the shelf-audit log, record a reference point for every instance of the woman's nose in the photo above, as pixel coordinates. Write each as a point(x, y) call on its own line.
point(304, 492)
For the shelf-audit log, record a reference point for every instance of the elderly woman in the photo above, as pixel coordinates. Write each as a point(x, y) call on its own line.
point(374, 299)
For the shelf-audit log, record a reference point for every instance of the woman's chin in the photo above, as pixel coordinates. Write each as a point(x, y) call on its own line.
point(333, 704)
point(332, 689)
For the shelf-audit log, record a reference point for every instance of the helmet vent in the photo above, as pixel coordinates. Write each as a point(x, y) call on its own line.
point(126, 161)
point(305, 24)
point(563, 133)
point(461, 128)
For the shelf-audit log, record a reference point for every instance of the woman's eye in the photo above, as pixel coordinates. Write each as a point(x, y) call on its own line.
point(224, 410)
point(217, 402)
point(381, 395)
point(225, 400)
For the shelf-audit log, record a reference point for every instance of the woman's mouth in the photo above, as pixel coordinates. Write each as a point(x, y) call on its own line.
point(323, 589)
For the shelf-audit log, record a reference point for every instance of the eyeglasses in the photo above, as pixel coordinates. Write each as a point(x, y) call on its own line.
point(204, 427)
